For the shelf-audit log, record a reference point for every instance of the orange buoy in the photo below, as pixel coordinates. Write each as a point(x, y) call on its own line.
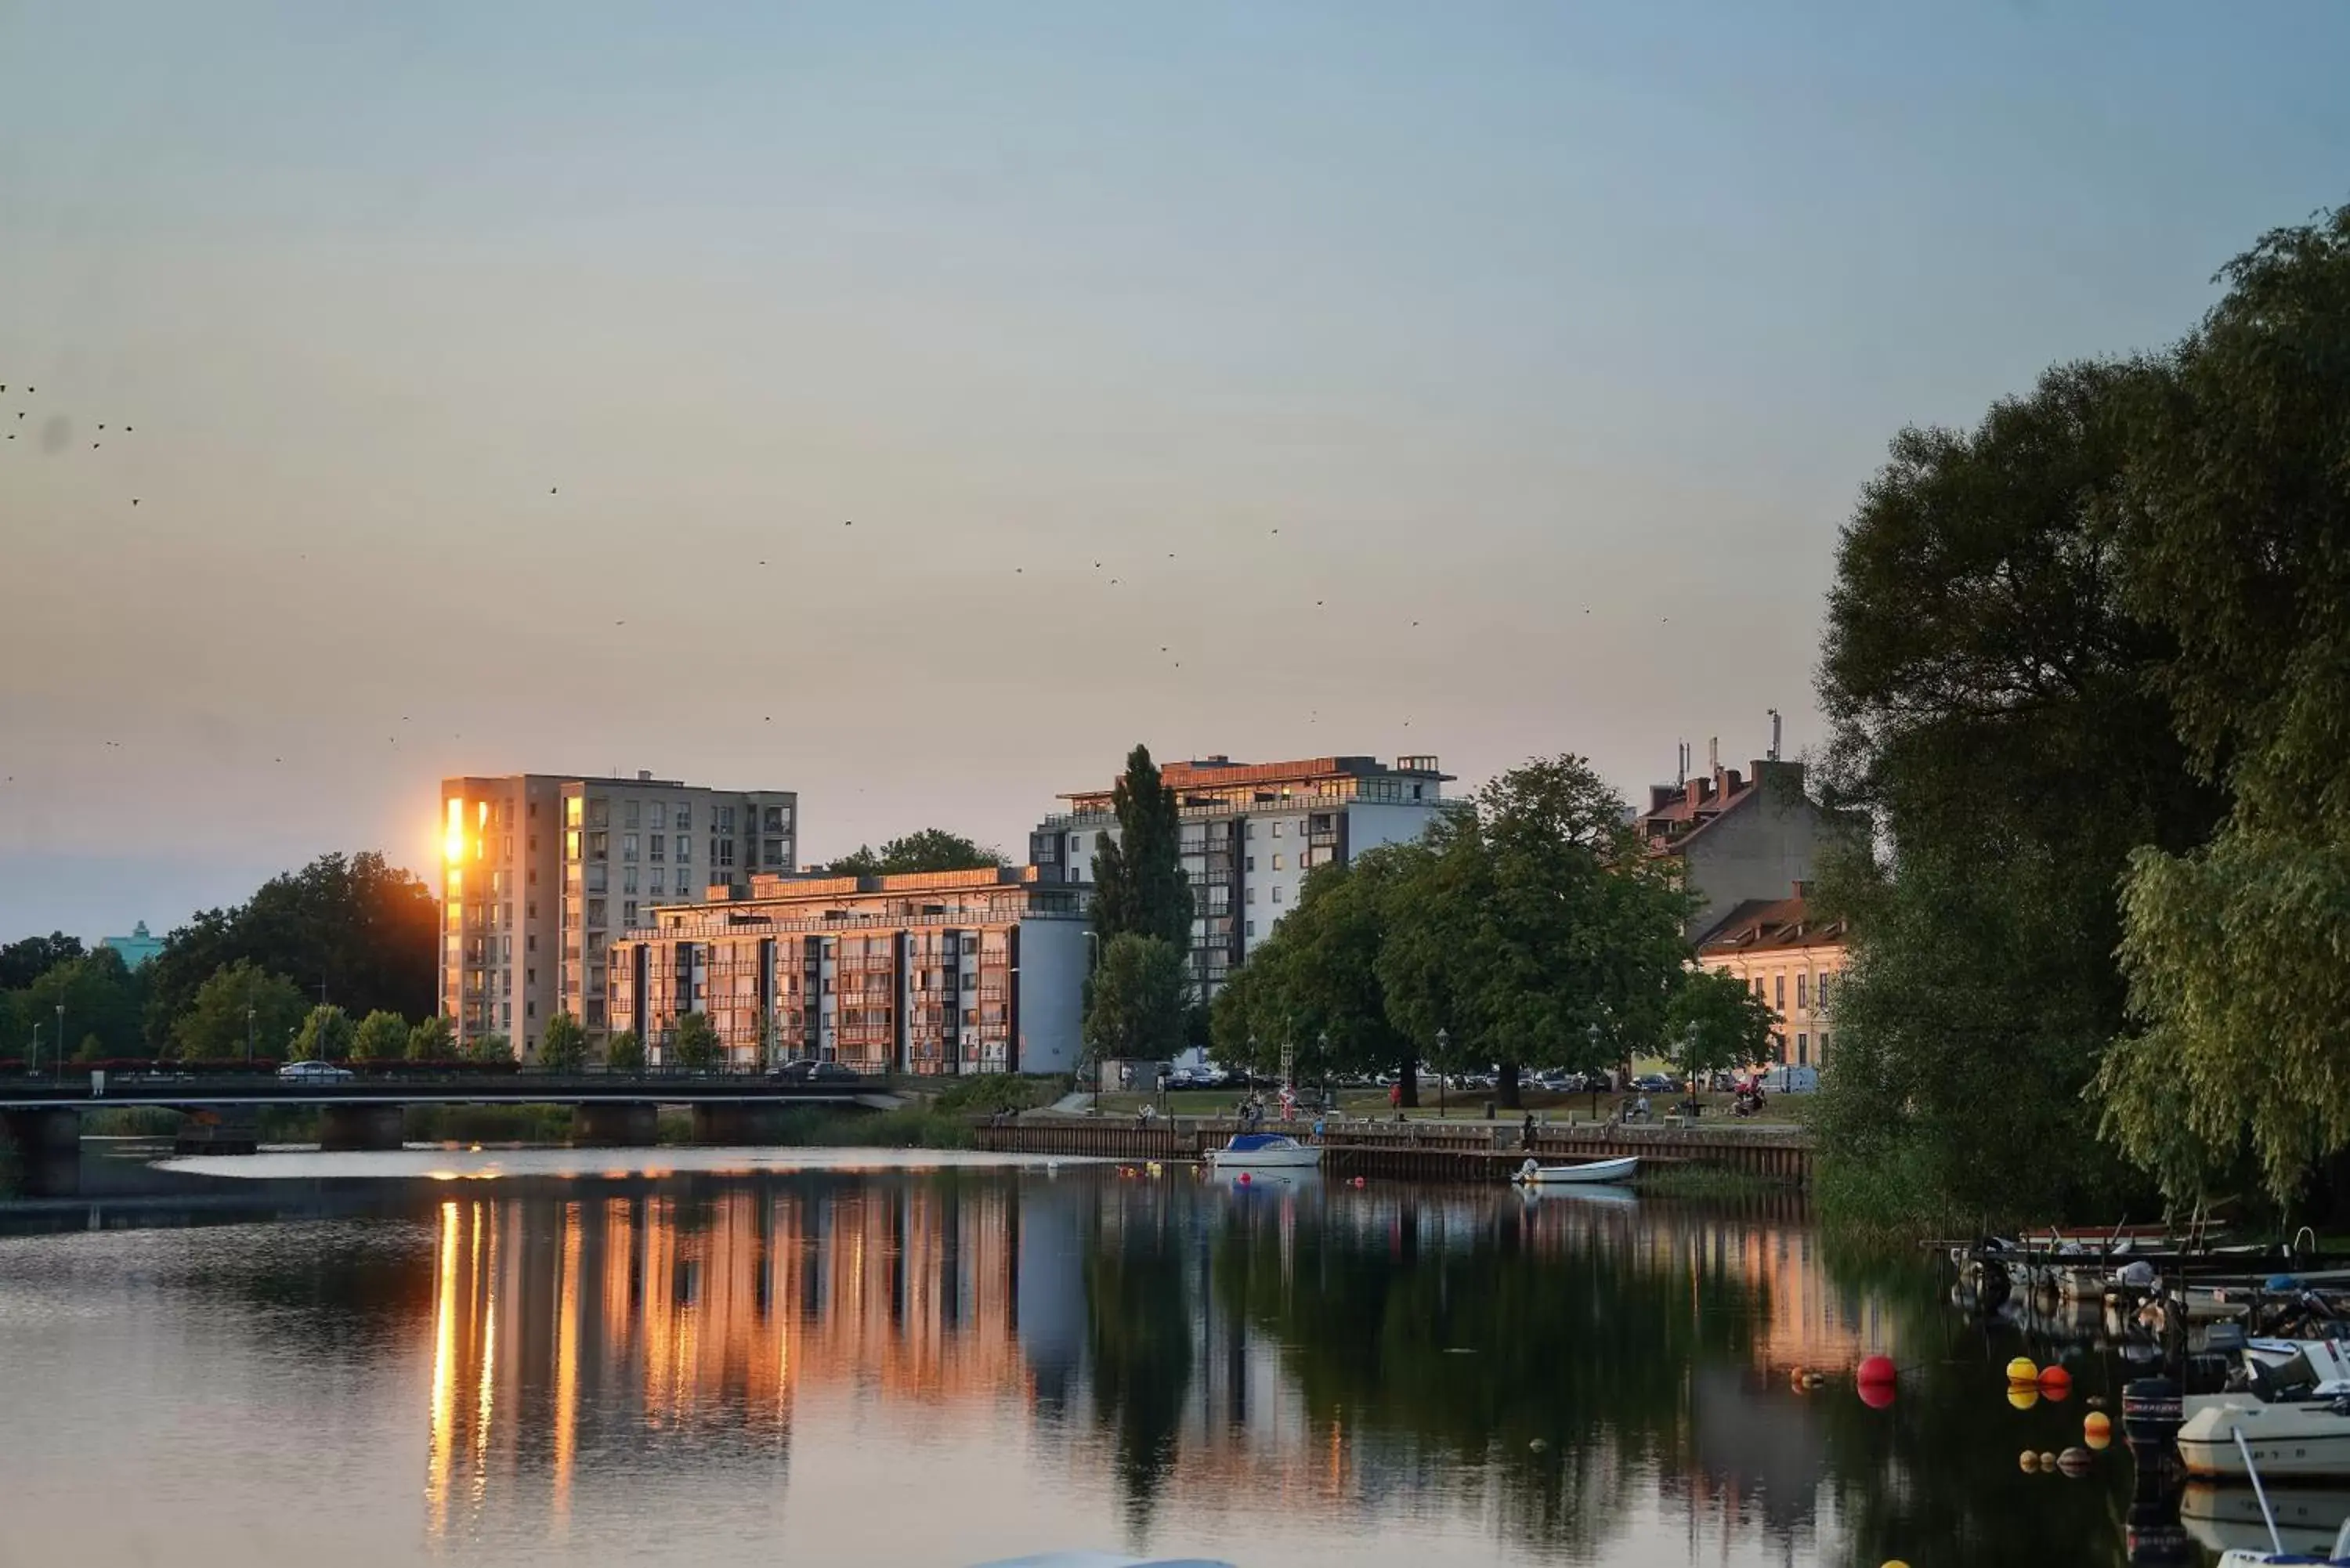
point(2097, 1428)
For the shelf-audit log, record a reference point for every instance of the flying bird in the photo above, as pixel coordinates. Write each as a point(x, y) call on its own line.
point(134, 500)
point(550, 490)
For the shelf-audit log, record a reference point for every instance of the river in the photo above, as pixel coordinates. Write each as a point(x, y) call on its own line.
point(722, 1358)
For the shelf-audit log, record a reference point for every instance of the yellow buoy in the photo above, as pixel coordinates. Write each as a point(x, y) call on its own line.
point(2028, 1462)
point(2023, 1395)
point(2021, 1370)
point(2047, 1462)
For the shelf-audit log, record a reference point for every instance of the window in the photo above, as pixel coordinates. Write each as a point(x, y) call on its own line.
point(969, 1016)
point(1802, 1050)
point(1276, 892)
point(775, 853)
point(1251, 928)
point(779, 819)
point(971, 981)
point(661, 814)
point(630, 812)
point(1782, 989)
point(1823, 1045)
point(1802, 986)
point(1251, 830)
point(1251, 895)
point(726, 819)
point(599, 813)
point(530, 977)
point(1820, 1001)
point(628, 879)
point(595, 911)
point(505, 847)
point(627, 846)
point(1276, 830)
point(1415, 792)
point(505, 916)
point(532, 844)
point(1249, 864)
point(827, 985)
point(722, 851)
point(660, 847)
point(571, 810)
point(596, 877)
point(599, 847)
point(684, 817)
point(1277, 865)
point(571, 845)
point(530, 1009)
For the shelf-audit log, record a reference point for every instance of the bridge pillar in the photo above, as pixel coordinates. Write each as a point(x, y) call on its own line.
point(46, 1132)
point(628, 1125)
point(359, 1128)
point(737, 1125)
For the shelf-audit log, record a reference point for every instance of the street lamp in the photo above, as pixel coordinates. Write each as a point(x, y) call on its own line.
point(1443, 1045)
point(248, 1038)
point(33, 1064)
point(57, 1057)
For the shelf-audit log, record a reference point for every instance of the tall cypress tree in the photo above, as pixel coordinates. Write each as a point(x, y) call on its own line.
point(1139, 883)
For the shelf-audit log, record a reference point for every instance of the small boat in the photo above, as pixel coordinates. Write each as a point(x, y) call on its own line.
point(2228, 1519)
point(2289, 1442)
point(1263, 1151)
point(1596, 1170)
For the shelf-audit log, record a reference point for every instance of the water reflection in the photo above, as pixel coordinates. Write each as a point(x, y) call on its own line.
point(936, 1367)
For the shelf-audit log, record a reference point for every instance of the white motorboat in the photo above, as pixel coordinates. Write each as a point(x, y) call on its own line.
point(2316, 1370)
point(2228, 1519)
point(1264, 1151)
point(2288, 1443)
point(1587, 1173)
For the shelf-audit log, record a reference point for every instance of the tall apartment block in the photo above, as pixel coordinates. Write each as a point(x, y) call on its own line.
point(939, 971)
point(542, 872)
point(1251, 831)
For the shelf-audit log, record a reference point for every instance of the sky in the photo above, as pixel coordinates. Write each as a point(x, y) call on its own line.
point(915, 406)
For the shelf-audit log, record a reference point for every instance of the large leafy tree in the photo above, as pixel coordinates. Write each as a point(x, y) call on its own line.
point(22, 962)
point(1715, 1020)
point(326, 1036)
point(930, 849)
point(2238, 549)
point(1314, 985)
point(1135, 1007)
point(432, 1040)
point(1993, 707)
point(239, 1007)
point(1534, 930)
point(624, 1052)
point(382, 1036)
point(1138, 882)
point(100, 995)
point(363, 929)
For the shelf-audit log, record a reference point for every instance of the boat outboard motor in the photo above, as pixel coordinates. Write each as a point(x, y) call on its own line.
point(2152, 1413)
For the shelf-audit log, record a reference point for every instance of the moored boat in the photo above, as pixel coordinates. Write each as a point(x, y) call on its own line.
point(1589, 1172)
point(2288, 1443)
point(1263, 1151)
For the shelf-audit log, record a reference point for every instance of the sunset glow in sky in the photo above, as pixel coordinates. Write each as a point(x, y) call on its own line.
point(433, 389)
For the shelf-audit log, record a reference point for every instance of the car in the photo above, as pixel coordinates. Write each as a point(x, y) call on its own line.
point(798, 1071)
point(833, 1072)
point(315, 1072)
point(1653, 1083)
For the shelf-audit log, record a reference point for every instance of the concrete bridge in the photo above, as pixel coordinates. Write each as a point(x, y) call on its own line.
point(43, 1117)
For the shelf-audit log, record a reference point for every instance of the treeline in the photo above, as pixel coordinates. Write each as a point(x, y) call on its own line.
point(1529, 927)
point(2088, 666)
point(337, 958)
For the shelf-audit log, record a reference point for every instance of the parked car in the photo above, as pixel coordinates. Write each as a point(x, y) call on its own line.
point(833, 1072)
point(1653, 1083)
point(799, 1070)
point(315, 1072)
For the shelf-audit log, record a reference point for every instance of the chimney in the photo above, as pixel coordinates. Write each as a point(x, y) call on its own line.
point(644, 775)
point(1694, 791)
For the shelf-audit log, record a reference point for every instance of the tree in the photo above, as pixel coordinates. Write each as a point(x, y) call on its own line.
point(326, 1036)
point(100, 997)
point(696, 1046)
point(1532, 928)
point(22, 962)
point(239, 1008)
point(1136, 1010)
point(432, 1040)
point(1139, 883)
point(930, 849)
point(367, 932)
point(91, 1049)
point(489, 1048)
point(1716, 1021)
point(563, 1047)
point(1313, 984)
point(382, 1036)
point(624, 1053)
point(2238, 547)
point(1994, 708)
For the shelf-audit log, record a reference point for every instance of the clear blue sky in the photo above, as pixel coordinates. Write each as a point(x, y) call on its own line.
point(1567, 331)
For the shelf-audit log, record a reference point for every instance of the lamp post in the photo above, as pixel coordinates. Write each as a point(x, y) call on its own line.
point(1443, 1045)
point(57, 1057)
point(248, 1038)
point(33, 1063)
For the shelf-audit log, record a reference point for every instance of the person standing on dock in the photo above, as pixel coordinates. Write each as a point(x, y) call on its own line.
point(1526, 1132)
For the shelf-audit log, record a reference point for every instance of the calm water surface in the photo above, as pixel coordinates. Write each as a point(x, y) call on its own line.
point(722, 1359)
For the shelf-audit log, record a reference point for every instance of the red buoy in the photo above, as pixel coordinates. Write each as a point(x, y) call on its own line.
point(1876, 1395)
point(1875, 1371)
point(2054, 1380)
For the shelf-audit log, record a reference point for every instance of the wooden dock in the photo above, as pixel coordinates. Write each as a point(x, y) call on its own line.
point(1423, 1151)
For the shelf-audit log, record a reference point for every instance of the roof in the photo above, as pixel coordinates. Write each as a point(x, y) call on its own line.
point(1223, 773)
point(1770, 925)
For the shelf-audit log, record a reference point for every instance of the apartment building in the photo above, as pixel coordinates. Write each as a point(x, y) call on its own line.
point(542, 871)
point(934, 972)
point(1740, 837)
point(1251, 831)
point(1791, 958)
